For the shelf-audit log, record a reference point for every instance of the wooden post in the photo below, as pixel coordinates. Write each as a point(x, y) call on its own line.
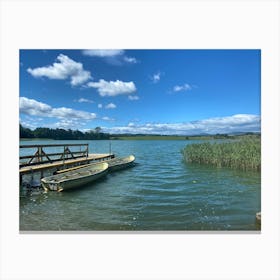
point(64, 156)
point(40, 157)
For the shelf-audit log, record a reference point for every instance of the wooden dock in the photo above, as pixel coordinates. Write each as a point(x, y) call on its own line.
point(65, 156)
point(62, 164)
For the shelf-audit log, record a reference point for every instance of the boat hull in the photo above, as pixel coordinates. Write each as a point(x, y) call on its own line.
point(114, 164)
point(74, 179)
point(119, 164)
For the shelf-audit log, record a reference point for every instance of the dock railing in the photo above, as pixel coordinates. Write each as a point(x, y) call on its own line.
point(39, 154)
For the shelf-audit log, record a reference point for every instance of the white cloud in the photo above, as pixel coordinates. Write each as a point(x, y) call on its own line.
point(72, 114)
point(84, 100)
point(68, 124)
point(130, 59)
point(114, 57)
point(107, 119)
point(28, 123)
point(35, 108)
point(184, 87)
point(113, 88)
point(111, 106)
point(156, 77)
point(103, 53)
point(99, 106)
point(131, 124)
point(66, 68)
point(229, 124)
point(133, 97)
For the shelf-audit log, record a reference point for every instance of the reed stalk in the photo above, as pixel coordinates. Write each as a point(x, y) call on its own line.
point(243, 154)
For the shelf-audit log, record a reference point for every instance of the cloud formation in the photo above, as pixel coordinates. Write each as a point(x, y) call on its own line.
point(107, 119)
point(184, 87)
point(35, 108)
point(68, 124)
point(229, 124)
point(111, 106)
point(133, 97)
point(156, 77)
point(114, 57)
point(30, 122)
point(132, 60)
point(113, 88)
point(103, 53)
point(84, 100)
point(64, 69)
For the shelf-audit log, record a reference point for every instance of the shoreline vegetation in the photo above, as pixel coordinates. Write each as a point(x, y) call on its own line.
point(43, 133)
point(244, 153)
point(238, 151)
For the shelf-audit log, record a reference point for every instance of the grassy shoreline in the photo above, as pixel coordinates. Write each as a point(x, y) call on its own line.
point(35, 139)
point(244, 154)
point(149, 137)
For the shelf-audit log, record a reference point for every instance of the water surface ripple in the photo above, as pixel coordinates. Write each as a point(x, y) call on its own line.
point(160, 193)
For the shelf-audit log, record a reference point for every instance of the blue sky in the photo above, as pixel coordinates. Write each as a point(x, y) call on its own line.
point(141, 91)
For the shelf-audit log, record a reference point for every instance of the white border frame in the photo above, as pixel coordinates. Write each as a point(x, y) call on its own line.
point(199, 24)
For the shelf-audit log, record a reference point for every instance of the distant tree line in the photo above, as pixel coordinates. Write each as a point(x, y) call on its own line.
point(62, 134)
point(96, 134)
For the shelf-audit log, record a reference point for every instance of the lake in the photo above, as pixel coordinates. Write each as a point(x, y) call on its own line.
point(160, 193)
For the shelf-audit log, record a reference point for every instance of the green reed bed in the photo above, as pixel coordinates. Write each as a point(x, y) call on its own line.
point(243, 154)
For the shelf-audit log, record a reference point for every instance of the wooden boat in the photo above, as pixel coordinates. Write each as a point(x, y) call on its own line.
point(75, 178)
point(121, 163)
point(114, 164)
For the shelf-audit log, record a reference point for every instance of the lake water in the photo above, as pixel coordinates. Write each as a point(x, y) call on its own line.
point(161, 192)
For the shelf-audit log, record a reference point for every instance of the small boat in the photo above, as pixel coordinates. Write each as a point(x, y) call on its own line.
point(75, 178)
point(114, 164)
point(121, 163)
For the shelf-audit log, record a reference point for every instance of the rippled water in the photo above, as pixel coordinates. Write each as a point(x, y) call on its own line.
point(160, 193)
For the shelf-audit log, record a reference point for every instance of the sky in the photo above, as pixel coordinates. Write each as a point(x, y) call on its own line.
point(182, 92)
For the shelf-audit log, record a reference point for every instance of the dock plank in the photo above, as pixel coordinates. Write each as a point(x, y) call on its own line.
point(66, 162)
